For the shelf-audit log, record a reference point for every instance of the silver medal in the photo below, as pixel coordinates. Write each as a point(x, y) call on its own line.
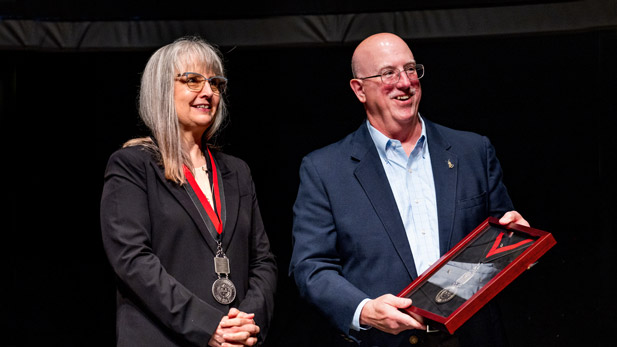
point(449, 292)
point(223, 289)
point(446, 294)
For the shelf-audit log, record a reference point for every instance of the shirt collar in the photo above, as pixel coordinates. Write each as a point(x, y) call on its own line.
point(382, 142)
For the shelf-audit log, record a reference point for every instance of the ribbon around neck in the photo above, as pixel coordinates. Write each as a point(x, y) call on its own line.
point(496, 249)
point(214, 216)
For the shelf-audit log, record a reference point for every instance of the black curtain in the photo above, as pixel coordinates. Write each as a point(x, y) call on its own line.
point(546, 101)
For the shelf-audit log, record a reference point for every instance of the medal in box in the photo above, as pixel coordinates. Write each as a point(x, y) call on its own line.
point(474, 271)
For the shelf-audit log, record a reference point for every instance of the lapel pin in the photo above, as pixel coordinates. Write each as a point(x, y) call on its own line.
point(450, 165)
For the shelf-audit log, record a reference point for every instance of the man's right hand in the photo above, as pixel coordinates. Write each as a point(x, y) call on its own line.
point(383, 313)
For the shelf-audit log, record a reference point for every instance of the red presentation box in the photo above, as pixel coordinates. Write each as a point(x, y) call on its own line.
point(480, 266)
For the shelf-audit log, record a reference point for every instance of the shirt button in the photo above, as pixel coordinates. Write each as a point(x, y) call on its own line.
point(410, 170)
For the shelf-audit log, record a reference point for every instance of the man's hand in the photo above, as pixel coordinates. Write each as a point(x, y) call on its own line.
point(383, 314)
point(235, 330)
point(513, 217)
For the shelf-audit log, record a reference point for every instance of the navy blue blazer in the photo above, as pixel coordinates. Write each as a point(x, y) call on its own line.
point(162, 252)
point(349, 239)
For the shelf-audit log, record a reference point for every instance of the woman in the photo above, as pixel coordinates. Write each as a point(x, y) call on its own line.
point(180, 221)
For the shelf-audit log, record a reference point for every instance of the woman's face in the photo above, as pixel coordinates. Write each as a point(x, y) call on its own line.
point(195, 108)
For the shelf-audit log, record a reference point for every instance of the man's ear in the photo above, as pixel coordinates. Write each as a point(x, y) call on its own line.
point(358, 88)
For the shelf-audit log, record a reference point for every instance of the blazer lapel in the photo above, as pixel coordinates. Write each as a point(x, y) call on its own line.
point(445, 169)
point(185, 201)
point(373, 179)
point(230, 202)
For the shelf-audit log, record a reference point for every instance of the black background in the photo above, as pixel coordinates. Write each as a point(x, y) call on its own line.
point(546, 101)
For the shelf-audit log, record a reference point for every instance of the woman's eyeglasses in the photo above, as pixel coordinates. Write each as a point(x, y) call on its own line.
point(196, 82)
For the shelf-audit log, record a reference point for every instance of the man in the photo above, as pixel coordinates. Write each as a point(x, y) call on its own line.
point(377, 208)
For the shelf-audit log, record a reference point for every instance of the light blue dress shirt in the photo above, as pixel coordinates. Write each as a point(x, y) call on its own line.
point(413, 187)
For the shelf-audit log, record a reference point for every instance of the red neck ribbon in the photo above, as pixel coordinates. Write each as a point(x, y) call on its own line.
point(214, 217)
point(496, 249)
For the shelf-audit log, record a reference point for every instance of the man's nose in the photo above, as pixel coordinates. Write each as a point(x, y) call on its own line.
point(404, 80)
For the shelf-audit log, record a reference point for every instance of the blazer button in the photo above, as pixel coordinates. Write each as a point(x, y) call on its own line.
point(413, 339)
point(346, 338)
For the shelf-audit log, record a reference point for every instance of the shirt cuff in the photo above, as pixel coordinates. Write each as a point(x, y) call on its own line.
point(355, 323)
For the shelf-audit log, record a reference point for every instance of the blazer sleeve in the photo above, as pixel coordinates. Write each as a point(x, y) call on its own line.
point(499, 199)
point(262, 273)
point(316, 264)
point(125, 226)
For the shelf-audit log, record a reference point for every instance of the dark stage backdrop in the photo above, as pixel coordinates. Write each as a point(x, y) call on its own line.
point(545, 101)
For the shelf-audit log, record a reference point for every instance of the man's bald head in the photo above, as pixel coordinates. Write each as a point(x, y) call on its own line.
point(369, 51)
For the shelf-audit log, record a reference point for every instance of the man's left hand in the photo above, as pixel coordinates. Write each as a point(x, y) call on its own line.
point(513, 217)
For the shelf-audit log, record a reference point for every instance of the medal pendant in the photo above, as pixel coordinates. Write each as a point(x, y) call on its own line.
point(445, 295)
point(221, 265)
point(223, 289)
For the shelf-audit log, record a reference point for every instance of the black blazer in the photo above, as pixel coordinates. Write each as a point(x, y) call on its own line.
point(162, 252)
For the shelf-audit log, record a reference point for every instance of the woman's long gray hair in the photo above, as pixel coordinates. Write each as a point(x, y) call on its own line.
point(156, 100)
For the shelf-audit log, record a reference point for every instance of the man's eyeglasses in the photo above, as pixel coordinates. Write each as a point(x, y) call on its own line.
point(392, 76)
point(196, 81)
